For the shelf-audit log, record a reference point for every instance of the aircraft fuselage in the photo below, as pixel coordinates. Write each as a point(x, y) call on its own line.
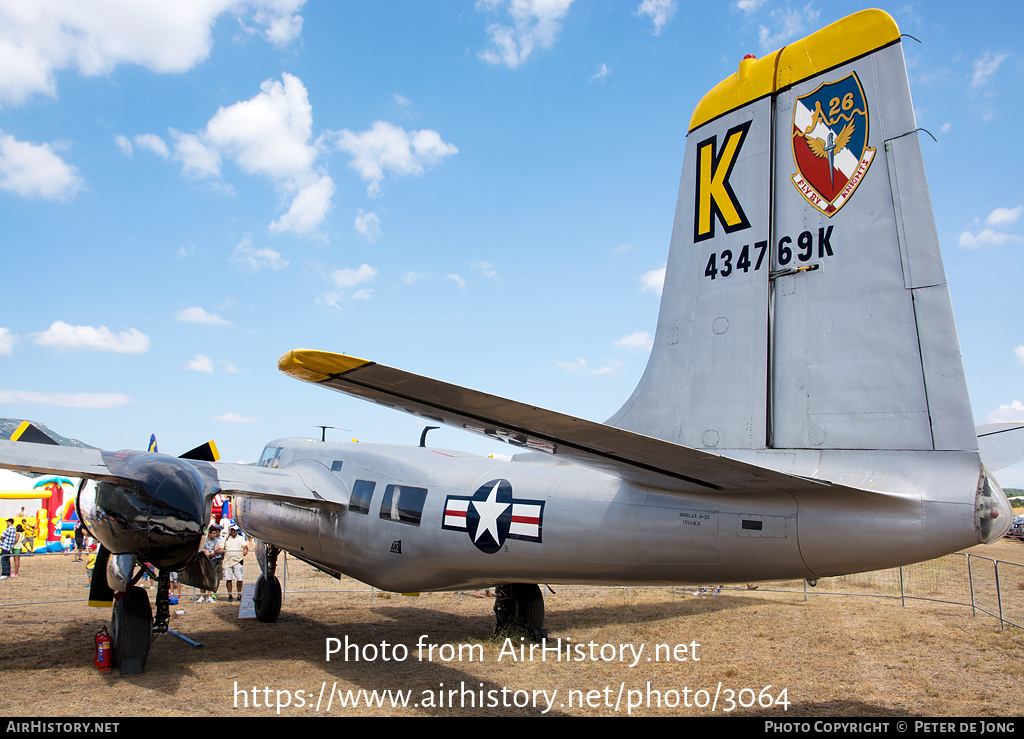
point(419, 519)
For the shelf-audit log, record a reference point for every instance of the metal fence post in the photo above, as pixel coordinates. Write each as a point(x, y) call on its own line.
point(970, 579)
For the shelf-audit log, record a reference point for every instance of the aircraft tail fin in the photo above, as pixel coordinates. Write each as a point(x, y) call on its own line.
point(805, 303)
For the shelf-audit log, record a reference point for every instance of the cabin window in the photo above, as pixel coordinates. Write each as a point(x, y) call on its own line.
point(336, 465)
point(362, 493)
point(403, 503)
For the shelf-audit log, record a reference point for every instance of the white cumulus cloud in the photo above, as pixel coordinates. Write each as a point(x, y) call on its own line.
point(659, 11)
point(249, 258)
point(67, 400)
point(344, 280)
point(197, 159)
point(61, 335)
point(200, 363)
point(368, 224)
point(1004, 216)
point(654, 280)
point(1010, 413)
point(987, 237)
point(985, 66)
point(534, 24)
point(195, 314)
point(235, 418)
point(35, 170)
point(389, 149)
point(39, 39)
point(639, 340)
point(153, 143)
point(787, 24)
point(269, 135)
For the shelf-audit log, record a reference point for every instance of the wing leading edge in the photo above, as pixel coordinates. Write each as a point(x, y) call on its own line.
point(94, 464)
point(625, 453)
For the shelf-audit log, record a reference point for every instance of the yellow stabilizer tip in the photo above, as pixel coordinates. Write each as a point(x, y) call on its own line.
point(310, 365)
point(22, 427)
point(838, 43)
point(411, 595)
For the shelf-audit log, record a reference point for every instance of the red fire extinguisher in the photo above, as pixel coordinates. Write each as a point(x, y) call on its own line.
point(104, 656)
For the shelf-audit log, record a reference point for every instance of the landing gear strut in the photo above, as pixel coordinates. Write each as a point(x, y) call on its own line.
point(267, 598)
point(520, 606)
point(133, 625)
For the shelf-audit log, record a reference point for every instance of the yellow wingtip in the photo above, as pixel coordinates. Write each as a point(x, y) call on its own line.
point(310, 365)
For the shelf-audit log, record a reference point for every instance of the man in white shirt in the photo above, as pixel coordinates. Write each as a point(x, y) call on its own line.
point(235, 549)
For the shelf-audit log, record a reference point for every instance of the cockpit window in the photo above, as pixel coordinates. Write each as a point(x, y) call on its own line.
point(270, 457)
point(403, 503)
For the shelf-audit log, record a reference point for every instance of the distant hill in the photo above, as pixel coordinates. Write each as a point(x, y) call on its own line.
point(9, 425)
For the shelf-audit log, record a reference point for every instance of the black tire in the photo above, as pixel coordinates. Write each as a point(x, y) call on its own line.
point(529, 603)
point(520, 606)
point(267, 599)
point(131, 631)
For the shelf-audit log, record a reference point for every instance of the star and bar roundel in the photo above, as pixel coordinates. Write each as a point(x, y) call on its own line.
point(491, 516)
point(830, 143)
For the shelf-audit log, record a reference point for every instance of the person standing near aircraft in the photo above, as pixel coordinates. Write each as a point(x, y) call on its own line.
point(7, 540)
point(235, 549)
point(19, 542)
point(79, 542)
point(214, 549)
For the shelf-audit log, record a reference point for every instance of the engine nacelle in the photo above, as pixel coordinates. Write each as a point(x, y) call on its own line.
point(156, 508)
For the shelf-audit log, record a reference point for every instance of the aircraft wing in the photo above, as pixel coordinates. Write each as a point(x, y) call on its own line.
point(1001, 444)
point(261, 482)
point(624, 453)
point(46, 459)
point(122, 467)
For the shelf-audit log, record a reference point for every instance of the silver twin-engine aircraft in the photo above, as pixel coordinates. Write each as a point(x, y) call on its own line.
point(803, 413)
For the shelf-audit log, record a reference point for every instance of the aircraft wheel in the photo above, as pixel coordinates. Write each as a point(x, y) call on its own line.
point(520, 606)
point(267, 599)
point(131, 631)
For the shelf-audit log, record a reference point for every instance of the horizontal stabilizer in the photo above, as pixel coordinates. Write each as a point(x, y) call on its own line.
point(204, 452)
point(631, 455)
point(30, 433)
point(1001, 444)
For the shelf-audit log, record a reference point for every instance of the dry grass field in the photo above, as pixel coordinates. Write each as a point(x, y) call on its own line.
point(641, 652)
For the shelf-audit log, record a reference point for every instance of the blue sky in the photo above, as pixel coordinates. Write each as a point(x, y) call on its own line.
point(478, 192)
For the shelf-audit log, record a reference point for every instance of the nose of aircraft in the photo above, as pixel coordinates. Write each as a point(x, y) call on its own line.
point(155, 510)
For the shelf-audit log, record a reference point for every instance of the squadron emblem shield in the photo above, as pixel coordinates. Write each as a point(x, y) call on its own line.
point(830, 143)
